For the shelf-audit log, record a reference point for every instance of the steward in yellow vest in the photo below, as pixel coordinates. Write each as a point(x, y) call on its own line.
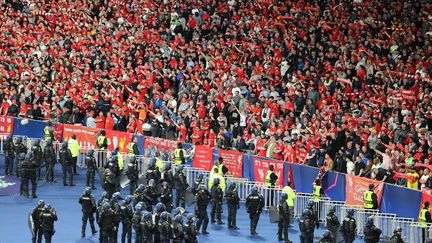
point(178, 155)
point(370, 198)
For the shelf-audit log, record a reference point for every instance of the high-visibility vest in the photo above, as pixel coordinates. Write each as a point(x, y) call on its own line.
point(120, 161)
point(422, 218)
point(367, 198)
point(212, 170)
point(159, 164)
point(221, 181)
point(177, 159)
point(47, 133)
point(268, 179)
point(291, 195)
point(316, 193)
point(220, 171)
point(131, 150)
point(74, 147)
point(100, 141)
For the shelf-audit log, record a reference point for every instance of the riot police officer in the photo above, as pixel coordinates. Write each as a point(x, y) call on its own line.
point(254, 206)
point(21, 170)
point(9, 151)
point(127, 214)
point(181, 185)
point(29, 173)
point(166, 196)
point(35, 214)
point(177, 229)
point(108, 182)
point(88, 208)
point(202, 199)
point(19, 149)
point(147, 227)
point(326, 237)
point(152, 173)
point(150, 195)
point(306, 225)
point(217, 196)
point(106, 223)
point(47, 219)
point(38, 157)
point(349, 227)
point(332, 223)
point(164, 227)
point(190, 229)
point(50, 159)
point(198, 181)
point(314, 213)
point(167, 175)
point(136, 222)
point(104, 198)
point(115, 169)
point(397, 236)
point(90, 162)
point(116, 208)
point(233, 203)
point(133, 174)
point(371, 232)
point(284, 218)
point(66, 162)
point(160, 208)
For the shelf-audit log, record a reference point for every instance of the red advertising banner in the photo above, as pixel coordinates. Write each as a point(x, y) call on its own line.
point(58, 131)
point(356, 186)
point(233, 161)
point(164, 145)
point(6, 124)
point(261, 166)
point(119, 139)
point(426, 197)
point(85, 136)
point(203, 158)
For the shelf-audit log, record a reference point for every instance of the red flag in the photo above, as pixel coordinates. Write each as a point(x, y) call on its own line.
point(233, 161)
point(261, 166)
point(6, 124)
point(203, 158)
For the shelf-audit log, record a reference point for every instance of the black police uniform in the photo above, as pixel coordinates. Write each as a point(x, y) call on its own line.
point(115, 169)
point(47, 219)
point(19, 149)
point(88, 208)
point(133, 175)
point(217, 196)
point(36, 213)
point(109, 182)
point(38, 158)
point(116, 208)
point(29, 173)
point(9, 151)
point(284, 220)
point(168, 176)
point(196, 184)
point(90, 162)
point(371, 233)
point(166, 198)
point(153, 173)
point(150, 197)
point(181, 185)
point(148, 230)
point(396, 238)
point(164, 228)
point(106, 223)
point(233, 203)
point(202, 200)
point(332, 224)
point(177, 232)
point(191, 232)
point(306, 225)
point(327, 239)
point(50, 160)
point(254, 206)
point(66, 162)
point(136, 224)
point(127, 214)
point(348, 229)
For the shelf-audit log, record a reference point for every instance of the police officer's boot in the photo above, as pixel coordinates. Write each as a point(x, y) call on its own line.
point(204, 229)
point(94, 231)
point(34, 191)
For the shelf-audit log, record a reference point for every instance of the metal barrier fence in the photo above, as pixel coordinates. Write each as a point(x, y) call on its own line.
point(419, 234)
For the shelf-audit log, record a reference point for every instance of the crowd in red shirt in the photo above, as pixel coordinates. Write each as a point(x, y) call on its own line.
point(343, 85)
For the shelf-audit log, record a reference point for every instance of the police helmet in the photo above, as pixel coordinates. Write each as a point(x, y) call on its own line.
point(139, 206)
point(87, 190)
point(132, 159)
point(116, 196)
point(37, 142)
point(48, 142)
point(106, 205)
point(178, 218)
point(310, 204)
point(114, 158)
point(179, 168)
point(200, 176)
point(178, 210)
point(147, 216)
point(167, 166)
point(216, 181)
point(284, 196)
point(369, 221)
point(165, 184)
point(190, 217)
point(128, 199)
point(232, 185)
point(160, 207)
point(114, 152)
point(326, 234)
point(306, 212)
point(140, 187)
point(332, 209)
point(201, 187)
point(165, 215)
point(64, 145)
point(41, 203)
point(90, 152)
point(350, 212)
point(9, 137)
point(19, 140)
point(398, 229)
point(151, 182)
point(47, 206)
point(152, 162)
point(104, 194)
point(254, 189)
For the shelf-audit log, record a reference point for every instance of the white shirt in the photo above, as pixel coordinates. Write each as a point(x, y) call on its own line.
point(91, 122)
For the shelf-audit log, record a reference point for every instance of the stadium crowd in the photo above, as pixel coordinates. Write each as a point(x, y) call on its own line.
point(343, 85)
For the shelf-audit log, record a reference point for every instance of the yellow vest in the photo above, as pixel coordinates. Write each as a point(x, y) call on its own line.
point(268, 179)
point(100, 141)
point(220, 171)
point(120, 161)
point(221, 181)
point(367, 198)
point(159, 165)
point(212, 170)
point(47, 134)
point(422, 218)
point(291, 195)
point(131, 150)
point(316, 193)
point(177, 158)
point(74, 147)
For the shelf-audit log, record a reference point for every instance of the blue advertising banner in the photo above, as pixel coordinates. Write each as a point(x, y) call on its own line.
point(304, 177)
point(401, 201)
point(248, 169)
point(334, 185)
point(33, 129)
